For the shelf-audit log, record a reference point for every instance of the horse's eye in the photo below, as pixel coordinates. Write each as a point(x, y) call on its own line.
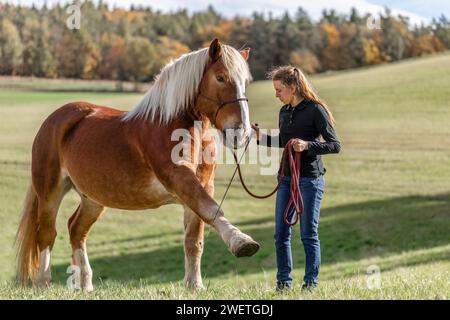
point(220, 78)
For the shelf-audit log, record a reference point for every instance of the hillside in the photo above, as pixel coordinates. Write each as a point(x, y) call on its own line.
point(386, 204)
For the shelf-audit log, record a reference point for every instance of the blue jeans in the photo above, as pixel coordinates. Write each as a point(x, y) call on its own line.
point(312, 192)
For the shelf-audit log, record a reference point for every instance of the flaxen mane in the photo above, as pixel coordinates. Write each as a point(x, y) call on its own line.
point(176, 86)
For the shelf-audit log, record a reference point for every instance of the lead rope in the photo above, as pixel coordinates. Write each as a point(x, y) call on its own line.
point(229, 184)
point(291, 217)
point(295, 205)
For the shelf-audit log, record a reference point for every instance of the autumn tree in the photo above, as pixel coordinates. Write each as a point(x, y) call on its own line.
point(134, 44)
point(77, 55)
point(397, 36)
point(306, 60)
point(426, 43)
point(116, 59)
point(168, 49)
point(140, 59)
point(37, 58)
point(10, 48)
point(332, 40)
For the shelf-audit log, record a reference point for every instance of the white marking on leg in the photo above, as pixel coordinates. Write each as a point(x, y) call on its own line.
point(44, 275)
point(193, 277)
point(80, 259)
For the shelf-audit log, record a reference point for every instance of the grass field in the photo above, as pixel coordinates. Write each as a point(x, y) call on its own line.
point(386, 205)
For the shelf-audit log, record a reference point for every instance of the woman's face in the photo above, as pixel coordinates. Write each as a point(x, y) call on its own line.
point(283, 92)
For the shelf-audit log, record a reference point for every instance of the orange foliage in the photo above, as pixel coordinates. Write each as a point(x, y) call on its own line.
point(333, 45)
point(119, 14)
point(305, 60)
point(222, 31)
point(371, 52)
point(169, 49)
point(426, 44)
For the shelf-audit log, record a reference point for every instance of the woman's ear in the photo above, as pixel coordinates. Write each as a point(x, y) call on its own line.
point(293, 89)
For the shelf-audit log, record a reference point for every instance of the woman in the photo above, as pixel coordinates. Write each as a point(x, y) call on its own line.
point(303, 117)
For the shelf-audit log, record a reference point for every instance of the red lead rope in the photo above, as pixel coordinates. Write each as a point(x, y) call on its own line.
point(295, 205)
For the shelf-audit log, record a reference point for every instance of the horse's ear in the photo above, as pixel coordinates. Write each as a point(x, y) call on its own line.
point(215, 50)
point(245, 53)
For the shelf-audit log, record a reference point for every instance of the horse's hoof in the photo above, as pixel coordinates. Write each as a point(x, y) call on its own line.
point(193, 284)
point(88, 289)
point(242, 245)
point(196, 288)
point(247, 249)
point(42, 284)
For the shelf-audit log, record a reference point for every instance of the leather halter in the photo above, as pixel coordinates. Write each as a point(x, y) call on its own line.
point(221, 104)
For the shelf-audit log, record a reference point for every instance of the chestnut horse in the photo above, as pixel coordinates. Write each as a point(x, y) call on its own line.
point(121, 159)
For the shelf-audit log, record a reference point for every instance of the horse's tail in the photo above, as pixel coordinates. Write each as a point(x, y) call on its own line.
point(26, 239)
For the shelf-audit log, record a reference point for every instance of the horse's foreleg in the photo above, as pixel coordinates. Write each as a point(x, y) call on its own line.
point(182, 181)
point(193, 249)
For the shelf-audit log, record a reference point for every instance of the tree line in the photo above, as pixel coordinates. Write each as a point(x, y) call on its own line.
point(133, 45)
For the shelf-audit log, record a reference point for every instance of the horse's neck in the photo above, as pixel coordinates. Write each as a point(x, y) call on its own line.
point(152, 136)
point(189, 121)
point(194, 120)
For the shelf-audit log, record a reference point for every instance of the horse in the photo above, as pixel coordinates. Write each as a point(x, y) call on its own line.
point(122, 159)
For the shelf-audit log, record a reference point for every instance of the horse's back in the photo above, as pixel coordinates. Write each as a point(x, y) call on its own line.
point(102, 157)
point(60, 125)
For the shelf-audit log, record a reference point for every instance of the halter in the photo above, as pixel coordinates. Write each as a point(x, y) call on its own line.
point(221, 104)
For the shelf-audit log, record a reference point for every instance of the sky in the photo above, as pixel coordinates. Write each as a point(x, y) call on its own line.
point(418, 11)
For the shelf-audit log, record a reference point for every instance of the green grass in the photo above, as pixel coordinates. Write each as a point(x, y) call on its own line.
point(387, 200)
point(66, 85)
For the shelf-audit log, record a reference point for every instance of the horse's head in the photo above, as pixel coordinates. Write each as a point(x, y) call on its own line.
point(222, 92)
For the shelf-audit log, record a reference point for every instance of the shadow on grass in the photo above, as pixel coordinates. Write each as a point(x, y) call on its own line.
point(348, 233)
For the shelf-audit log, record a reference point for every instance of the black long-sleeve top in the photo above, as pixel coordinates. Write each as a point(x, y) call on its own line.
point(307, 121)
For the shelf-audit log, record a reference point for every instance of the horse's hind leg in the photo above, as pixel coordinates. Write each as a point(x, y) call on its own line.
point(48, 206)
point(79, 225)
point(193, 249)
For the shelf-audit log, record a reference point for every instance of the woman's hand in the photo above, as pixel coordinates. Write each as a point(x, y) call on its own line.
point(257, 133)
point(300, 145)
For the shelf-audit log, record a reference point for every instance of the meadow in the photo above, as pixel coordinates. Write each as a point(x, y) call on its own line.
point(386, 204)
